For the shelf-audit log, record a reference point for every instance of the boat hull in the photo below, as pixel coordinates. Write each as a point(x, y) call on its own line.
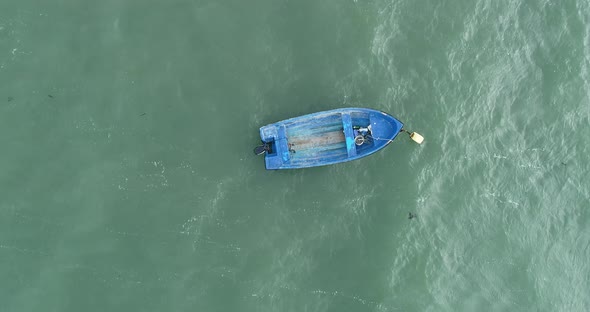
point(326, 138)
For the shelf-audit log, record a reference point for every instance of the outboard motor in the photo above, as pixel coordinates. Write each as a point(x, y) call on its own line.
point(261, 149)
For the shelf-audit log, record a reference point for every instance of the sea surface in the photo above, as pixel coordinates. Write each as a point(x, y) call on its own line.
point(128, 182)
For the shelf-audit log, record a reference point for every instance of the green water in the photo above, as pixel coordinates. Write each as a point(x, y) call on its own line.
point(128, 183)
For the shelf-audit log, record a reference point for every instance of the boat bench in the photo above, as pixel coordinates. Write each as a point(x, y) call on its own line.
point(283, 146)
point(348, 134)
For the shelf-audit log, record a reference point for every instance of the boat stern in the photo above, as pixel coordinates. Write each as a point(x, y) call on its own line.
point(275, 137)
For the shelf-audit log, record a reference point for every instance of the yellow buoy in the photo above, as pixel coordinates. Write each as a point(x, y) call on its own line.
point(416, 137)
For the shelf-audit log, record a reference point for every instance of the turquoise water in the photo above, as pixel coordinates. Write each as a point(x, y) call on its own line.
point(128, 183)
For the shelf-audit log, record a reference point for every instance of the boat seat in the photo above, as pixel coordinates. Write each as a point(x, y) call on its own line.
point(283, 145)
point(348, 134)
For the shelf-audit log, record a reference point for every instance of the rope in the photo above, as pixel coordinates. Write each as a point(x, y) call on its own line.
point(381, 139)
point(402, 130)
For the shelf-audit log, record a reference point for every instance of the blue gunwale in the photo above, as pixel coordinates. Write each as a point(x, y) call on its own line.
point(326, 138)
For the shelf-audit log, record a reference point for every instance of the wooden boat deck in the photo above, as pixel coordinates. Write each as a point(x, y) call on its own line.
point(302, 144)
point(308, 143)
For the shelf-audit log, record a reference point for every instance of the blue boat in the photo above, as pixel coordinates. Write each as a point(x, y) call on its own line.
point(326, 138)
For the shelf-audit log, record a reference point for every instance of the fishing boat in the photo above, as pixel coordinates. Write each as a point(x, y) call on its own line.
point(327, 137)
